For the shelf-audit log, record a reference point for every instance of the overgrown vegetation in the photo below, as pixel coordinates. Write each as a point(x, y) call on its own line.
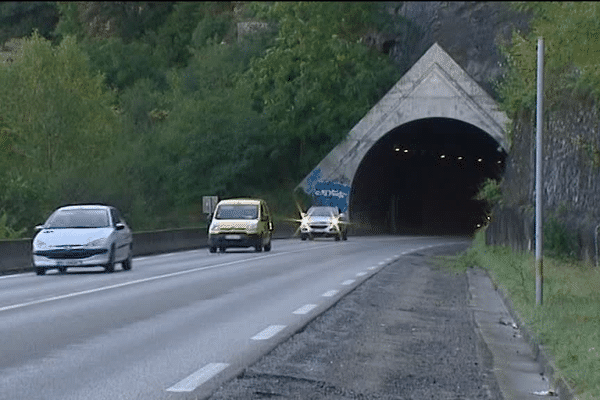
point(150, 106)
point(570, 31)
point(568, 323)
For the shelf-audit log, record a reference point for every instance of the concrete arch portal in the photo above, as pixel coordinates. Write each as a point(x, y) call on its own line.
point(415, 161)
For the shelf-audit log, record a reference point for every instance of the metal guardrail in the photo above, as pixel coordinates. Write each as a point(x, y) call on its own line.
point(15, 255)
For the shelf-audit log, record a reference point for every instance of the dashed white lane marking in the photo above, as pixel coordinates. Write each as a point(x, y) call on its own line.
point(269, 332)
point(198, 378)
point(348, 282)
point(361, 274)
point(305, 309)
point(330, 293)
point(137, 281)
point(382, 263)
point(372, 268)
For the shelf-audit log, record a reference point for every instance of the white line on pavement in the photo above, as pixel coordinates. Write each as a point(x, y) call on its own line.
point(268, 333)
point(348, 282)
point(198, 378)
point(361, 274)
point(305, 309)
point(153, 278)
point(330, 293)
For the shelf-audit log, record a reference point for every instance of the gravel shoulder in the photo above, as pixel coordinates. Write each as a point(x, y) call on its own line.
point(408, 332)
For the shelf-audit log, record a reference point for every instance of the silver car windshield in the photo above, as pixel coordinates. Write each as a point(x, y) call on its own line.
point(322, 212)
point(90, 218)
point(237, 211)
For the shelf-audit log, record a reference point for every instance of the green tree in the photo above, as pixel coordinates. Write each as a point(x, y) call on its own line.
point(61, 125)
point(318, 79)
point(21, 18)
point(571, 31)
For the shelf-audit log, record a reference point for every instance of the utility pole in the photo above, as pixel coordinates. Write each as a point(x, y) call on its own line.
point(539, 265)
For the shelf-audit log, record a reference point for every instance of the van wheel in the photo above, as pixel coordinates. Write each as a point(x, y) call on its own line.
point(222, 249)
point(212, 249)
point(40, 271)
point(258, 248)
point(268, 246)
point(62, 270)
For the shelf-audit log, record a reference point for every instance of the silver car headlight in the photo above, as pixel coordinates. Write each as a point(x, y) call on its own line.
point(304, 223)
point(214, 229)
point(97, 242)
point(335, 222)
point(39, 244)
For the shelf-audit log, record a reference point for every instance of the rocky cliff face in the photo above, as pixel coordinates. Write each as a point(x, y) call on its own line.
point(571, 188)
point(469, 31)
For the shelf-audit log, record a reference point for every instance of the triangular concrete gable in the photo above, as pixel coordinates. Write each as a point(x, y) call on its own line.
point(436, 86)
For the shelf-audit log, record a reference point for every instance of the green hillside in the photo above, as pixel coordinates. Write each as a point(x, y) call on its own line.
point(150, 106)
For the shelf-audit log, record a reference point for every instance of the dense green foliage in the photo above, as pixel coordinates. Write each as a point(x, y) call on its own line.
point(571, 33)
point(150, 106)
point(58, 130)
point(21, 18)
point(317, 67)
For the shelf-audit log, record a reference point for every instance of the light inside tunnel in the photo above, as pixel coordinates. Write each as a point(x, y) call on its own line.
point(421, 178)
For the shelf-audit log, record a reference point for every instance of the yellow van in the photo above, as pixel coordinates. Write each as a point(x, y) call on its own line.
point(240, 223)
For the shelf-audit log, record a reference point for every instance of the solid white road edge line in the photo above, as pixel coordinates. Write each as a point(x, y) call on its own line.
point(199, 377)
point(153, 278)
point(268, 333)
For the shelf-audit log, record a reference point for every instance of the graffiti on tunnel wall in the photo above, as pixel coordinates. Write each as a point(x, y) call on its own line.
point(327, 193)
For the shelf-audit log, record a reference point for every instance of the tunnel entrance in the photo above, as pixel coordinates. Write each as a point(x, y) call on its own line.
point(421, 177)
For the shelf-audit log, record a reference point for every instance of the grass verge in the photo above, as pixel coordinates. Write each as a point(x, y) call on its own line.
point(568, 322)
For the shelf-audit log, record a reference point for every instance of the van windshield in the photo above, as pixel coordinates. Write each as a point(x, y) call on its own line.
point(237, 211)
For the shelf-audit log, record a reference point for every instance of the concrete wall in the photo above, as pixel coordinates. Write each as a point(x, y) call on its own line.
point(15, 255)
point(435, 87)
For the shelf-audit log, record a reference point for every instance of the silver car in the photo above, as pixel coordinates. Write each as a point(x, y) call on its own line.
point(82, 236)
point(324, 221)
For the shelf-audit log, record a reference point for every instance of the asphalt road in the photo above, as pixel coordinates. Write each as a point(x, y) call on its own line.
point(182, 325)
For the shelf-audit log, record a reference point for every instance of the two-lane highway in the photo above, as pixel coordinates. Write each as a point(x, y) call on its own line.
point(176, 325)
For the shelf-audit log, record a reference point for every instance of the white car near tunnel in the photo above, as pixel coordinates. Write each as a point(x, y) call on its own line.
point(324, 221)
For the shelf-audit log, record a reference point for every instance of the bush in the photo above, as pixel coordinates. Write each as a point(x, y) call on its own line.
point(559, 242)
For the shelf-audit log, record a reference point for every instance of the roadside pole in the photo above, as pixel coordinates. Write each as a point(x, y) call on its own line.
point(539, 277)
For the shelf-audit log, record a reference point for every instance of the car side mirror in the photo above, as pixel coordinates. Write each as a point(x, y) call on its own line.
point(38, 228)
point(120, 226)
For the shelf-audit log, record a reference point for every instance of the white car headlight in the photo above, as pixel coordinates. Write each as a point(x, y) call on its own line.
point(97, 242)
point(214, 229)
point(38, 244)
point(304, 223)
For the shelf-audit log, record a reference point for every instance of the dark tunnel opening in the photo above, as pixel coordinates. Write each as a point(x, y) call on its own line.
point(421, 178)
